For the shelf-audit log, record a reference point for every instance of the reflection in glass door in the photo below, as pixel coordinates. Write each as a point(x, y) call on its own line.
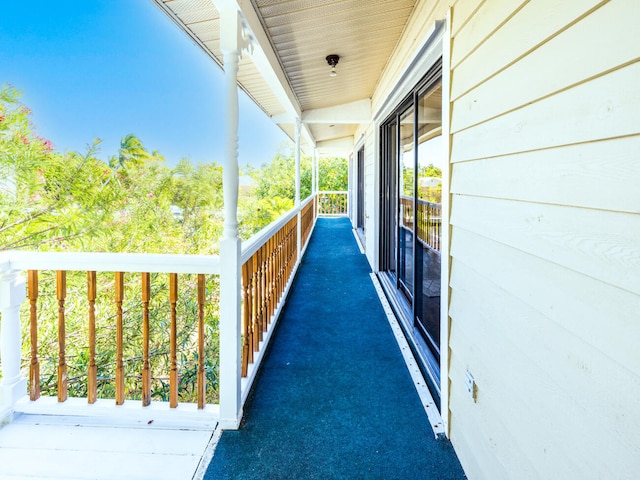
point(406, 183)
point(428, 201)
point(360, 198)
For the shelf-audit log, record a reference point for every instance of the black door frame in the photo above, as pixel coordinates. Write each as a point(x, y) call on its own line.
point(389, 216)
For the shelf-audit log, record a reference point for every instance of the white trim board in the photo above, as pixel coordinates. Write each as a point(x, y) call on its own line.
point(355, 234)
point(428, 403)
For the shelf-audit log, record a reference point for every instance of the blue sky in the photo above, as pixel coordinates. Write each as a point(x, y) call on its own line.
point(107, 68)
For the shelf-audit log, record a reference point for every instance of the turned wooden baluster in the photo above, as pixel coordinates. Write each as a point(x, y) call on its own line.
point(201, 373)
point(119, 290)
point(34, 367)
point(272, 277)
point(61, 293)
point(263, 294)
point(251, 296)
point(255, 307)
point(282, 241)
point(259, 292)
point(146, 367)
point(276, 269)
point(293, 243)
point(173, 374)
point(265, 287)
point(92, 380)
point(246, 318)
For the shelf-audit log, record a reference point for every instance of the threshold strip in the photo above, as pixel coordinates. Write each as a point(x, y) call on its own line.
point(430, 407)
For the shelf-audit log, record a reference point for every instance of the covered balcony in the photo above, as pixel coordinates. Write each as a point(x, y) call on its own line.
point(360, 404)
point(493, 188)
point(350, 407)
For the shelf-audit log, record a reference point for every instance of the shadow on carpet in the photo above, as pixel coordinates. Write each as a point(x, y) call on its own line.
point(333, 398)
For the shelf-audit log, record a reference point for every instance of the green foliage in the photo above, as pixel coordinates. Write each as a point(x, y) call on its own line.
point(47, 200)
point(274, 192)
point(333, 174)
point(430, 171)
point(277, 179)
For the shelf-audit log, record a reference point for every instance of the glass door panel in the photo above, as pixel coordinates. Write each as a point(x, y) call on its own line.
point(428, 215)
point(406, 191)
point(360, 202)
point(388, 198)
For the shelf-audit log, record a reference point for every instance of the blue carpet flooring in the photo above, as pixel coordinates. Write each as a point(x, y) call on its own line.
point(333, 399)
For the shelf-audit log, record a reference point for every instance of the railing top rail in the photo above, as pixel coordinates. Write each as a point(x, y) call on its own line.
point(110, 262)
point(423, 202)
point(139, 262)
point(333, 192)
point(252, 245)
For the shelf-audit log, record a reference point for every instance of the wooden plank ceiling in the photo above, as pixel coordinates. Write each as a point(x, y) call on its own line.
point(302, 33)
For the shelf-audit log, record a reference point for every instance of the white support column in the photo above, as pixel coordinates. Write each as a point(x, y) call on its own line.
point(232, 42)
point(314, 169)
point(298, 127)
point(13, 385)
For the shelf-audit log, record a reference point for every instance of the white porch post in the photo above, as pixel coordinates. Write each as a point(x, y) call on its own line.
point(298, 127)
point(231, 43)
point(14, 385)
point(314, 170)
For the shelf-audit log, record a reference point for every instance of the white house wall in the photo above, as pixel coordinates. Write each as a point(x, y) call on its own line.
point(545, 238)
point(545, 229)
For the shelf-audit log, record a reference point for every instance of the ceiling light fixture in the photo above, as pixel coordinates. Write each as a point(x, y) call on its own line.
point(332, 60)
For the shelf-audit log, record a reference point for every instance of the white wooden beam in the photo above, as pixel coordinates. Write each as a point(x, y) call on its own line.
point(352, 112)
point(338, 146)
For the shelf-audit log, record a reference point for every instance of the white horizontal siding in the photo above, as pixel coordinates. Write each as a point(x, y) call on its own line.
point(602, 175)
point(524, 386)
point(606, 107)
point(517, 40)
point(545, 249)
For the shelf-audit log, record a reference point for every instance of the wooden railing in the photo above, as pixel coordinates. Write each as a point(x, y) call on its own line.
point(268, 262)
point(428, 223)
point(333, 203)
point(62, 265)
point(308, 217)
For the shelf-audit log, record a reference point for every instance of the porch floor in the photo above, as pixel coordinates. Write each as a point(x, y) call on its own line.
point(334, 398)
point(70, 447)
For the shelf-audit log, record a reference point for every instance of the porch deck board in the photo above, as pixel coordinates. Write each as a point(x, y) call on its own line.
point(57, 447)
point(333, 398)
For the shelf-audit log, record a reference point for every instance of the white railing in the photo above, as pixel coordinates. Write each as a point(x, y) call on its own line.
point(13, 292)
point(333, 203)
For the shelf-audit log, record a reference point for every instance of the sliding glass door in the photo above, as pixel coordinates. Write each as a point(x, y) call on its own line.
point(412, 160)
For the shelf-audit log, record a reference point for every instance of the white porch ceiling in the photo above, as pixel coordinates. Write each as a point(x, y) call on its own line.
point(295, 36)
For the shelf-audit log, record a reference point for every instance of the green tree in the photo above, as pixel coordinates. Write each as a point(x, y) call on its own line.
point(277, 178)
point(48, 200)
point(197, 201)
point(131, 151)
point(333, 174)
